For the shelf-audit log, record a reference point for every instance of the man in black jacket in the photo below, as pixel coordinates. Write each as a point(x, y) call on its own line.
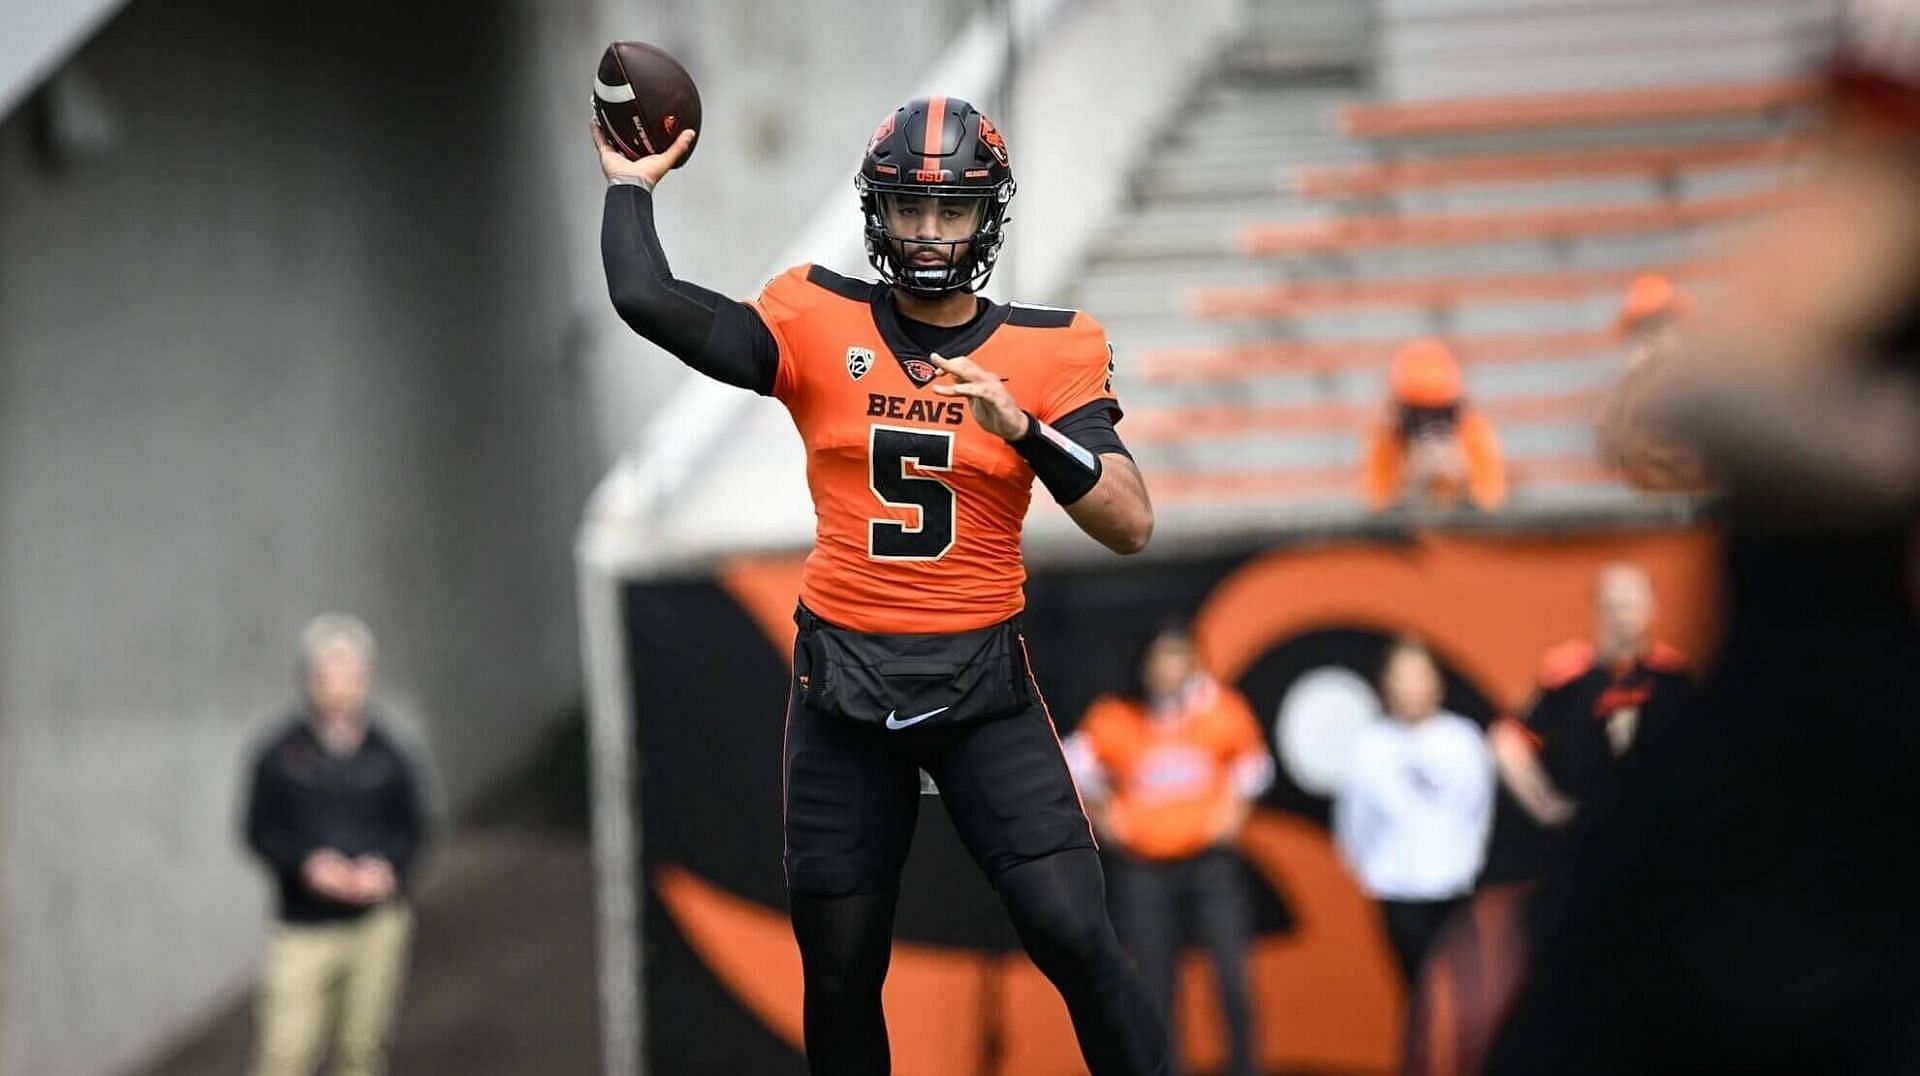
point(335, 815)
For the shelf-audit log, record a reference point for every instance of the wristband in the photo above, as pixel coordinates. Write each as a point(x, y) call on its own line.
point(630, 181)
point(1066, 468)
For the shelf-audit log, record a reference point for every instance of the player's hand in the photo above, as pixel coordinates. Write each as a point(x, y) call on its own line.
point(615, 165)
point(993, 406)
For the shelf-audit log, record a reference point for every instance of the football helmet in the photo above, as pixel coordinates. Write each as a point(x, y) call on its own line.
point(938, 147)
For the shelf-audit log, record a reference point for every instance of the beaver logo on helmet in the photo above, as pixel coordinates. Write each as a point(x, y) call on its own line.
point(879, 133)
point(935, 147)
point(996, 145)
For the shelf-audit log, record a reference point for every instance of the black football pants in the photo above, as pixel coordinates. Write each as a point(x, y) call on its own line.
point(852, 793)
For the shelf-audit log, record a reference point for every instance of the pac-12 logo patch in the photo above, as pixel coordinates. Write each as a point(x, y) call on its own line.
point(859, 361)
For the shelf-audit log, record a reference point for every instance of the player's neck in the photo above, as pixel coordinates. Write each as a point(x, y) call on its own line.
point(949, 311)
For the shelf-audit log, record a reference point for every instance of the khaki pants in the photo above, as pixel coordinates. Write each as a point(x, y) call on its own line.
point(358, 967)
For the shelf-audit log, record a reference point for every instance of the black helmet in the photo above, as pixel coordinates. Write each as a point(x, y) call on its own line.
point(940, 147)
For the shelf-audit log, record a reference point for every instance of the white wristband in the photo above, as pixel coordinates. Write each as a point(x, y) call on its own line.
point(641, 182)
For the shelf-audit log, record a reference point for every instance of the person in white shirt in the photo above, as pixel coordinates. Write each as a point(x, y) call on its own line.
point(1413, 811)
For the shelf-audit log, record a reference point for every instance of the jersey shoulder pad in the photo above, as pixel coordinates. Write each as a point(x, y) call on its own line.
point(1030, 316)
point(1072, 338)
point(808, 285)
point(846, 287)
point(1565, 663)
point(1664, 658)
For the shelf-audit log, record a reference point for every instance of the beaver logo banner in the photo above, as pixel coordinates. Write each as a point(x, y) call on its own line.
point(711, 663)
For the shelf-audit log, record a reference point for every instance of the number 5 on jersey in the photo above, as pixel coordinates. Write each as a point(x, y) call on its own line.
point(889, 448)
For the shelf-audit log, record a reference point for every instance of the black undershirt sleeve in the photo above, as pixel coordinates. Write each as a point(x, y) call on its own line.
point(1092, 428)
point(715, 335)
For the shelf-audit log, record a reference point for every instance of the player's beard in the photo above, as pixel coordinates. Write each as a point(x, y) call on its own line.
point(931, 264)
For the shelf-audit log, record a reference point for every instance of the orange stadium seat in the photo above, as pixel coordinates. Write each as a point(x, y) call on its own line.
point(1387, 177)
point(1481, 115)
point(1177, 487)
point(1238, 420)
point(1464, 229)
point(1268, 357)
point(1275, 301)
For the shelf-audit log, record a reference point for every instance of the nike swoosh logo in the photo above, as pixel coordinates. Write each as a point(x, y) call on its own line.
point(894, 722)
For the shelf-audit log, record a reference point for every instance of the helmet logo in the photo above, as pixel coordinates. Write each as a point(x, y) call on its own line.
point(859, 361)
point(931, 175)
point(995, 144)
point(880, 133)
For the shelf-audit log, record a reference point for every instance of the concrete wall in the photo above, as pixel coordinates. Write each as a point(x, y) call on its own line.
point(1077, 133)
point(38, 37)
point(300, 342)
point(325, 329)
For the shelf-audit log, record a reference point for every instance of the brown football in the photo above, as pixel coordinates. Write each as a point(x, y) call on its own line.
point(643, 99)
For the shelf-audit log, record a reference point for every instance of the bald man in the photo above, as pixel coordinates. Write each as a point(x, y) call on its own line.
point(1587, 713)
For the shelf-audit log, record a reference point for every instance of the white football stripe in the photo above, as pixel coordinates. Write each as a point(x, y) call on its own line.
point(613, 95)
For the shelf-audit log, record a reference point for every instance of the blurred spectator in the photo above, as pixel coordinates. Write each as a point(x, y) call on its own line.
point(1745, 907)
point(335, 815)
point(1649, 325)
point(1169, 775)
point(1412, 815)
point(1592, 705)
point(1432, 448)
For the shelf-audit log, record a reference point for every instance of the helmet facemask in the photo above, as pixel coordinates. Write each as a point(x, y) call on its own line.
point(926, 258)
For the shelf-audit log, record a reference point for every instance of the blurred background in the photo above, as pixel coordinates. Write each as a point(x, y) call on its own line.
point(301, 309)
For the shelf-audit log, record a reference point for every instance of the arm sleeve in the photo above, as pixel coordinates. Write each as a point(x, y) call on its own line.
point(1464, 771)
point(1486, 469)
point(1095, 736)
point(1381, 477)
point(1349, 829)
point(713, 334)
point(271, 831)
point(408, 832)
point(1252, 767)
point(1541, 717)
point(1092, 428)
point(1552, 707)
point(1083, 761)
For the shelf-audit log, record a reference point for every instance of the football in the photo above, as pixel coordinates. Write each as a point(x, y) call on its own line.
point(643, 99)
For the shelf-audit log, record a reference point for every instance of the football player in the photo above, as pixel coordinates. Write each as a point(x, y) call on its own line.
point(927, 413)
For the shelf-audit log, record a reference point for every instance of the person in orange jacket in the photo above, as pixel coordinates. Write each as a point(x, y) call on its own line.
point(1169, 774)
point(1649, 325)
point(1431, 447)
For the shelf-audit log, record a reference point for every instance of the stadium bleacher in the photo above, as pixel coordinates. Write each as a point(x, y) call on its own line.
point(1305, 223)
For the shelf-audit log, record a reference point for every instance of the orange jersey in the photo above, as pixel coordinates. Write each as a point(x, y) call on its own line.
point(1172, 778)
point(917, 510)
